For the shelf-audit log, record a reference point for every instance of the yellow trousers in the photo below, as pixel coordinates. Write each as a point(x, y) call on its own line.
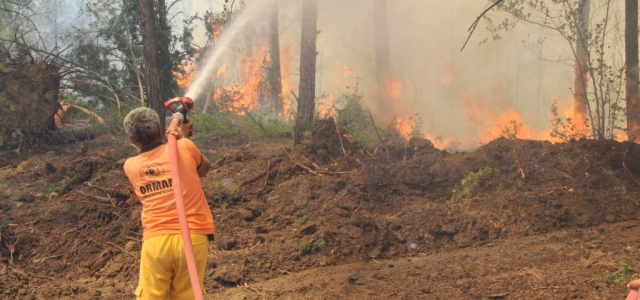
point(163, 267)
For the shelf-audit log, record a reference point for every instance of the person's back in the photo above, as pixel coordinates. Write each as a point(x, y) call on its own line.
point(163, 266)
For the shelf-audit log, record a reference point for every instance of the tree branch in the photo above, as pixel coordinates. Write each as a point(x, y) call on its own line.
point(473, 26)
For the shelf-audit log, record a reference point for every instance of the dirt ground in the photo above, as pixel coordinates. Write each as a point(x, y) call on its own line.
point(330, 219)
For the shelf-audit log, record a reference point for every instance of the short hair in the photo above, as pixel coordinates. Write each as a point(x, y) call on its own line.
point(141, 124)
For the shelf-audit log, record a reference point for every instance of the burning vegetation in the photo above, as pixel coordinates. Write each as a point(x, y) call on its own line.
point(357, 153)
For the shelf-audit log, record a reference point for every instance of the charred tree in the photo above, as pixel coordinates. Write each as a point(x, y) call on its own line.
point(152, 62)
point(307, 91)
point(632, 75)
point(383, 63)
point(275, 75)
point(581, 102)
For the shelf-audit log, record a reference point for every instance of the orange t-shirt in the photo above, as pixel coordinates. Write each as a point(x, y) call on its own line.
point(150, 174)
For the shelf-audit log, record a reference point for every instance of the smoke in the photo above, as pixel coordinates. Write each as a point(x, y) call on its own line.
point(456, 95)
point(435, 79)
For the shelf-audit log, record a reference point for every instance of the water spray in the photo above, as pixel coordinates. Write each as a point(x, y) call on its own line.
point(253, 9)
point(179, 107)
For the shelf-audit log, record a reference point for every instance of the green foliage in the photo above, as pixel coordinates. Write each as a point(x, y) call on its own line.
point(16, 17)
point(353, 117)
point(224, 205)
point(624, 274)
point(217, 124)
point(109, 52)
point(314, 245)
point(303, 220)
point(468, 183)
point(4, 227)
point(47, 188)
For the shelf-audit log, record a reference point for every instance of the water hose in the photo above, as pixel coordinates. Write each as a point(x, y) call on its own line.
point(176, 119)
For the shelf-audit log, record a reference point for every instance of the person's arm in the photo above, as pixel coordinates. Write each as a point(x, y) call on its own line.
point(186, 130)
point(204, 167)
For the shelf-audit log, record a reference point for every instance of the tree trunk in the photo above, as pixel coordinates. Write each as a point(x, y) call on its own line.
point(275, 77)
point(383, 63)
point(166, 63)
point(581, 104)
point(632, 80)
point(307, 91)
point(152, 70)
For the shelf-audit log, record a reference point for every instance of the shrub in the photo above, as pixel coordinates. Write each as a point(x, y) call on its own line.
point(468, 183)
point(303, 220)
point(625, 273)
point(316, 244)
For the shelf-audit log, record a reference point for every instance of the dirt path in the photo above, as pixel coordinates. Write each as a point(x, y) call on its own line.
point(559, 265)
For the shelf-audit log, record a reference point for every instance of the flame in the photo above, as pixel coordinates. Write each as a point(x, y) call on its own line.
point(404, 127)
point(578, 117)
point(245, 97)
point(492, 120)
point(222, 69)
point(510, 125)
point(185, 76)
point(325, 107)
point(393, 88)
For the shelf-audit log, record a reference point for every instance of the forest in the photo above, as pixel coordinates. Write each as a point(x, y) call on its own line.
point(362, 149)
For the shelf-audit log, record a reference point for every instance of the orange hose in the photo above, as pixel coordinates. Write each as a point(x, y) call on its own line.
point(182, 214)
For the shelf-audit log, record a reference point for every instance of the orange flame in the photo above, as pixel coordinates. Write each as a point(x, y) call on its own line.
point(222, 69)
point(578, 118)
point(325, 107)
point(186, 75)
point(245, 97)
point(404, 127)
point(393, 88)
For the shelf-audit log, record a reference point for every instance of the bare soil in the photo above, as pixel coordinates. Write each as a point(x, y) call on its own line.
point(550, 221)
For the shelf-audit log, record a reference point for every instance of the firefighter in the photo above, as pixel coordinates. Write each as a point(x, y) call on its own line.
point(163, 266)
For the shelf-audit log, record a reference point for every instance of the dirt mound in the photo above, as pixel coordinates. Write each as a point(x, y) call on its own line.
point(328, 201)
point(29, 95)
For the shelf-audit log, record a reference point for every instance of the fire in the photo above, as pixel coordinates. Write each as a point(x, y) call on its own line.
point(325, 107)
point(578, 118)
point(245, 97)
point(510, 125)
point(404, 127)
point(222, 69)
point(492, 120)
point(186, 75)
point(393, 88)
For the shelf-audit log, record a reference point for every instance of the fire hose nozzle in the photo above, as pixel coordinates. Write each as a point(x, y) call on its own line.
point(180, 105)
